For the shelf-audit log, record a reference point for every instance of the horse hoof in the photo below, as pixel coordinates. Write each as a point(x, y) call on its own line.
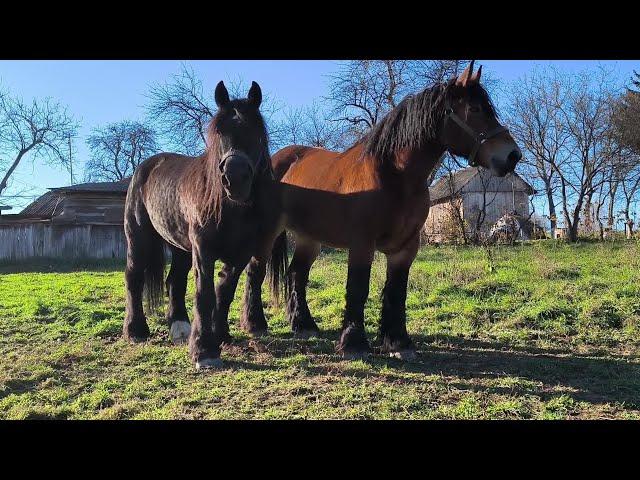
point(355, 355)
point(209, 363)
point(258, 333)
point(304, 334)
point(137, 339)
point(406, 355)
point(179, 332)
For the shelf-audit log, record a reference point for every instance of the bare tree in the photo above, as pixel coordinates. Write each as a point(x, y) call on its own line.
point(630, 183)
point(291, 127)
point(117, 149)
point(478, 233)
point(626, 116)
point(363, 91)
point(585, 112)
point(309, 126)
point(536, 122)
point(38, 130)
point(180, 110)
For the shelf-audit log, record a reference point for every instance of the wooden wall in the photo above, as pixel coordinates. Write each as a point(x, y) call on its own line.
point(496, 204)
point(25, 240)
point(92, 208)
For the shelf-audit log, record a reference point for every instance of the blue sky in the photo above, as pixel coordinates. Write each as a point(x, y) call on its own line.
point(99, 92)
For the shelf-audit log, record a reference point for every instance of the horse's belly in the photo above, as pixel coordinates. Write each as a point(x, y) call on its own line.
point(336, 220)
point(169, 222)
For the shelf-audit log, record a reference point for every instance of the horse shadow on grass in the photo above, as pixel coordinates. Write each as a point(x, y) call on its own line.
point(471, 364)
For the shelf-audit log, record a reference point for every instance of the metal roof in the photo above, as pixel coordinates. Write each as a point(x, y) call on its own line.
point(49, 204)
point(98, 187)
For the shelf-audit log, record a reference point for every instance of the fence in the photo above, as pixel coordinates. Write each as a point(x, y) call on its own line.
point(20, 241)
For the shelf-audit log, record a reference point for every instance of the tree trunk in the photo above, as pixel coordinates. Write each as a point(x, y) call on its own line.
point(573, 232)
point(597, 217)
point(552, 208)
point(14, 165)
point(612, 199)
point(588, 219)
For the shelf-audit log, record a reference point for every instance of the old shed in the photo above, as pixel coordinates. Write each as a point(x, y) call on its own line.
point(474, 199)
point(78, 221)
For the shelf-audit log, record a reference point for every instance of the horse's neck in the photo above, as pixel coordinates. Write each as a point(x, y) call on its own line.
point(413, 167)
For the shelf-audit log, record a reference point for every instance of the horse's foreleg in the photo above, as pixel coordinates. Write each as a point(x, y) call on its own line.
point(176, 283)
point(204, 342)
point(298, 313)
point(393, 335)
point(353, 341)
point(225, 290)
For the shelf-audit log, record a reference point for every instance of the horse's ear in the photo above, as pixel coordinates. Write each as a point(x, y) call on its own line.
point(476, 76)
point(221, 95)
point(463, 79)
point(255, 95)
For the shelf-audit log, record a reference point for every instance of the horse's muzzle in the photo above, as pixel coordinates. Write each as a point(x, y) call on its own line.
point(237, 176)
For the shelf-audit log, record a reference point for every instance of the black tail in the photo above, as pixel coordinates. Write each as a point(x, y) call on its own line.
point(277, 268)
point(154, 274)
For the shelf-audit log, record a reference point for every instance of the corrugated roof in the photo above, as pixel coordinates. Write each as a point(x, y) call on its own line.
point(49, 204)
point(43, 206)
point(449, 185)
point(102, 187)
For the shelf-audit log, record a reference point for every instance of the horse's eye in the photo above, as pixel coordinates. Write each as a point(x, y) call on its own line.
point(474, 108)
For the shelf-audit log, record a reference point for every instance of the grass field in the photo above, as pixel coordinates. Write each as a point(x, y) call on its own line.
point(551, 332)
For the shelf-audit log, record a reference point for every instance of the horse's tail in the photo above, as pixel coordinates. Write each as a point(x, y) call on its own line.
point(277, 267)
point(154, 273)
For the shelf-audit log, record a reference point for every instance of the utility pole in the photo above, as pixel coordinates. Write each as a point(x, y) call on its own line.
point(70, 160)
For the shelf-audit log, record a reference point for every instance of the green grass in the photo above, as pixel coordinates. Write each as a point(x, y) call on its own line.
point(553, 332)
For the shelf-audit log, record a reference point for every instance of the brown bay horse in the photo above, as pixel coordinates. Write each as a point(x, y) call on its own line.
point(221, 205)
point(374, 197)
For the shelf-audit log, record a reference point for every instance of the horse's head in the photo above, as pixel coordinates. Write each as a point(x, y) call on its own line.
point(239, 133)
point(471, 129)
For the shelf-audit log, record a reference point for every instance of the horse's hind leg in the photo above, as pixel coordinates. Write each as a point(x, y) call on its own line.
point(176, 283)
point(298, 312)
point(252, 319)
point(225, 290)
point(135, 327)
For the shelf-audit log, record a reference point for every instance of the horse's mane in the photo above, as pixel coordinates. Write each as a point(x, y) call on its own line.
point(413, 122)
point(206, 179)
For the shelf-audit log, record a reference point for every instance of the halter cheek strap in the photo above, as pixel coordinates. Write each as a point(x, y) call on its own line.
point(479, 138)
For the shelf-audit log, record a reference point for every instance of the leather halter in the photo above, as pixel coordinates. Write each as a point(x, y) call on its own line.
point(479, 138)
point(240, 153)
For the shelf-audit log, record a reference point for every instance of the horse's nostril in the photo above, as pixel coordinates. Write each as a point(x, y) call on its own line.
point(225, 181)
point(514, 157)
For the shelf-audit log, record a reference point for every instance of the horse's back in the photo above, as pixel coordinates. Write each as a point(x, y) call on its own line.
point(282, 160)
point(325, 170)
point(154, 193)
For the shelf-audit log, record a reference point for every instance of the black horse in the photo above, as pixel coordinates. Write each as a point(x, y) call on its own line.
point(220, 205)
